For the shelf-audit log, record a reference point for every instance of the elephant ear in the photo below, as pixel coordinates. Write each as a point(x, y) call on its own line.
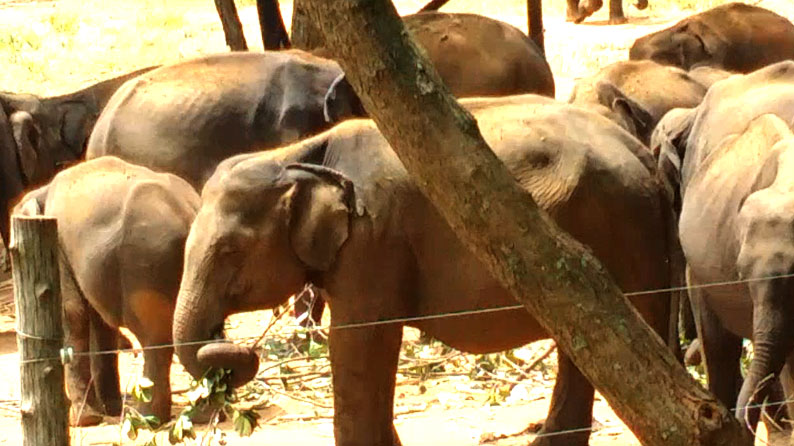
point(668, 144)
point(320, 208)
point(613, 98)
point(701, 46)
point(26, 136)
point(341, 102)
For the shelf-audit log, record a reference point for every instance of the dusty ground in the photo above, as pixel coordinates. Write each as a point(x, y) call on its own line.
point(53, 47)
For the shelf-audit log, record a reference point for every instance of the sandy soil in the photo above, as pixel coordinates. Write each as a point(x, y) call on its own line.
point(448, 409)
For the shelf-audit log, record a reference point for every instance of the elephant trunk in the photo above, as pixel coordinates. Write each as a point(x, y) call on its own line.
point(198, 320)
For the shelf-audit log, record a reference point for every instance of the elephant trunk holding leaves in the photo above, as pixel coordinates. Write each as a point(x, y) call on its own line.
point(339, 210)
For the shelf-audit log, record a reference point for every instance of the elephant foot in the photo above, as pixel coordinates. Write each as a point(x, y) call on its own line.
point(618, 20)
point(572, 16)
point(88, 416)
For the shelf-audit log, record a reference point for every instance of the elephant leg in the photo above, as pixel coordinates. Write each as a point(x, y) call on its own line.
point(720, 350)
point(157, 367)
point(616, 16)
point(85, 407)
point(571, 407)
point(364, 365)
point(588, 7)
point(773, 340)
point(105, 367)
point(572, 11)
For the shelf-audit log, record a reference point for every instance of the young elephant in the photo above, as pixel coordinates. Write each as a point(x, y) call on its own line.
point(122, 231)
point(339, 210)
point(731, 160)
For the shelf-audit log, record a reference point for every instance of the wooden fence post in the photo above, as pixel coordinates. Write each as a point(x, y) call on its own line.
point(37, 294)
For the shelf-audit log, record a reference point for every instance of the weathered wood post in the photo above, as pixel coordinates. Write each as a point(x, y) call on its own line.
point(37, 294)
point(232, 27)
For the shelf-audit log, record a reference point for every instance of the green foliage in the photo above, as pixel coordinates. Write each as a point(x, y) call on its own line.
point(209, 394)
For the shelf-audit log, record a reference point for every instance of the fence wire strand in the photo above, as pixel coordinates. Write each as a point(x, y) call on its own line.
point(401, 319)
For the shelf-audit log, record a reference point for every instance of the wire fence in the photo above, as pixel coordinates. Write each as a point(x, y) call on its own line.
point(68, 355)
point(399, 320)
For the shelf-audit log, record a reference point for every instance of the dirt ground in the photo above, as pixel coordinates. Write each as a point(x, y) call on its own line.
point(443, 398)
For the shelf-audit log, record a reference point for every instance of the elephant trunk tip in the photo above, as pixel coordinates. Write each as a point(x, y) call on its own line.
point(243, 362)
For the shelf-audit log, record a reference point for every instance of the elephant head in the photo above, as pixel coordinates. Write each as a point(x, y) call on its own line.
point(39, 136)
point(685, 45)
point(263, 231)
point(628, 113)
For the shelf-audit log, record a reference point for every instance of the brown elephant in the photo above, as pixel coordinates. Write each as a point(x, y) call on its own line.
point(187, 117)
point(639, 93)
point(38, 136)
point(735, 37)
point(122, 231)
point(340, 211)
point(730, 161)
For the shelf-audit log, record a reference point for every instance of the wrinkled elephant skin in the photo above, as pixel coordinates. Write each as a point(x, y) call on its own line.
point(340, 211)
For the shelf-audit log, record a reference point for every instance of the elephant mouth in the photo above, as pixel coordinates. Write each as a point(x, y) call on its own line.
point(243, 362)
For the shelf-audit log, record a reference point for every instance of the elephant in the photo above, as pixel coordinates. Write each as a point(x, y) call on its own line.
point(729, 159)
point(38, 136)
point(339, 210)
point(735, 37)
point(639, 93)
point(121, 232)
point(201, 111)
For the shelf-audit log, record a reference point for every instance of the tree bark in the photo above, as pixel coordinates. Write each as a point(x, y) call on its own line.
point(271, 24)
point(535, 24)
point(433, 5)
point(305, 34)
point(37, 292)
point(232, 28)
point(559, 282)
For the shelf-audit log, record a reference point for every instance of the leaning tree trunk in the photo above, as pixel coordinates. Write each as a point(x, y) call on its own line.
point(558, 280)
point(271, 24)
point(232, 28)
point(305, 34)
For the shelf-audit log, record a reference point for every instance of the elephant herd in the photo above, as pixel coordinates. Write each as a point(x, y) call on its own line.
point(225, 183)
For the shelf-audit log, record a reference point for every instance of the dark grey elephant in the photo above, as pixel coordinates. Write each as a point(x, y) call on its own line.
point(639, 93)
point(735, 37)
point(38, 136)
point(731, 159)
point(122, 231)
point(339, 210)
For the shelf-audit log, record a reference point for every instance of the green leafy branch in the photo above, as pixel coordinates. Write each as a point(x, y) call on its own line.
point(209, 394)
